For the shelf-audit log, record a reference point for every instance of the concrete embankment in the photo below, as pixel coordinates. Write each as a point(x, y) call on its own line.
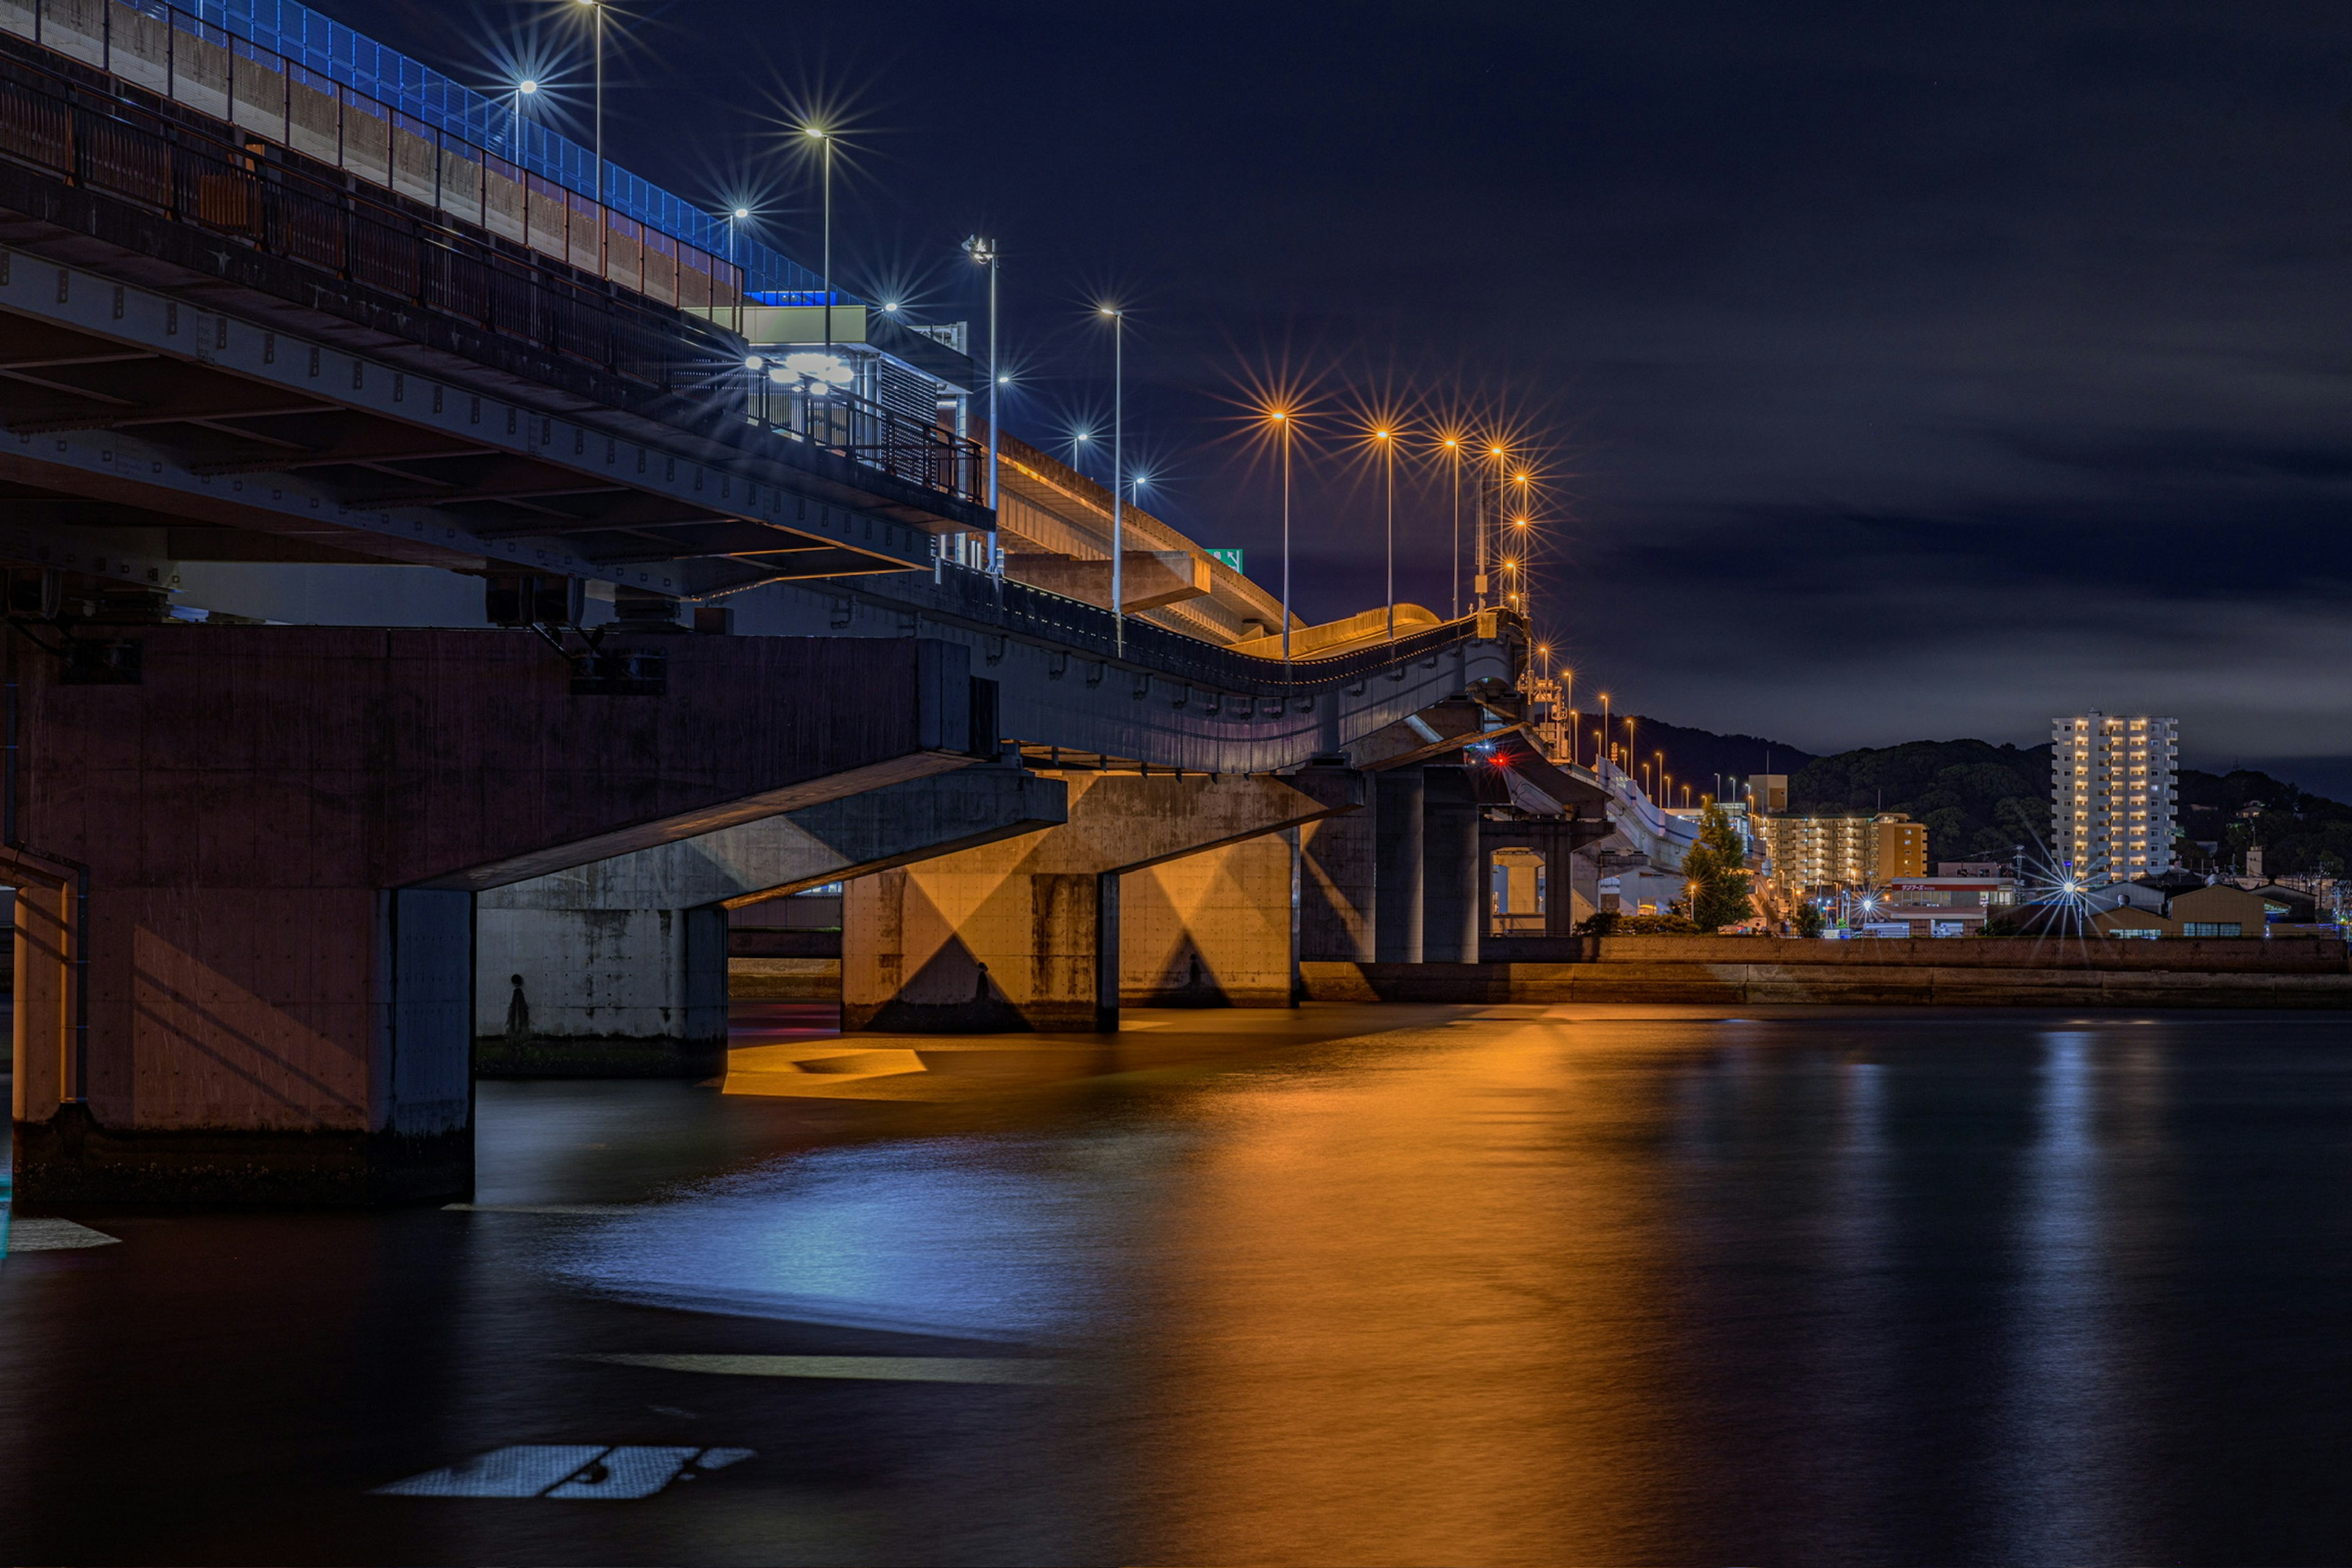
point(2299, 972)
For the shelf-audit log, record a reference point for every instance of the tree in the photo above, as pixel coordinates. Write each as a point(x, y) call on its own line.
point(1808, 918)
point(1714, 872)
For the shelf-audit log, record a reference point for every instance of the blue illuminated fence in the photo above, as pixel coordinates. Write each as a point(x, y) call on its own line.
point(283, 70)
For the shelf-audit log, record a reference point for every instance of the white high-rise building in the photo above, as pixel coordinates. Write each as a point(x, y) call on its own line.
point(2112, 795)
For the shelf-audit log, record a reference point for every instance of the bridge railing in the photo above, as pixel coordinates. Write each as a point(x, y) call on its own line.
point(867, 433)
point(192, 169)
point(980, 600)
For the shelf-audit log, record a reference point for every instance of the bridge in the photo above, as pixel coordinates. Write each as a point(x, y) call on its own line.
point(436, 606)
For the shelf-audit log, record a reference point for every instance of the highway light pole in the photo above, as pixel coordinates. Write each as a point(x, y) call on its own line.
point(1387, 471)
point(597, 10)
point(1118, 476)
point(1453, 455)
point(984, 252)
point(1282, 420)
point(824, 140)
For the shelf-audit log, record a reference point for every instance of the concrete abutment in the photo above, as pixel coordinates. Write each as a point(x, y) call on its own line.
point(250, 976)
point(1156, 885)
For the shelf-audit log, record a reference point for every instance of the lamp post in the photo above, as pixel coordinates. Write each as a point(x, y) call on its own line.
point(1599, 752)
point(1494, 452)
point(1387, 438)
point(1283, 422)
point(824, 139)
point(1519, 522)
point(526, 87)
point(1117, 475)
point(597, 9)
point(1453, 453)
point(984, 252)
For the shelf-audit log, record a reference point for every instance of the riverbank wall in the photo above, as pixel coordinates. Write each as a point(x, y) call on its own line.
point(2001, 971)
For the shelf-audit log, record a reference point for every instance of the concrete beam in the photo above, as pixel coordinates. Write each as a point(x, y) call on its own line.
point(1025, 934)
point(619, 968)
point(1149, 579)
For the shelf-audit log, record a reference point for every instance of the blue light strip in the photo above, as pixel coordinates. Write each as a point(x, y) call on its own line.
point(322, 44)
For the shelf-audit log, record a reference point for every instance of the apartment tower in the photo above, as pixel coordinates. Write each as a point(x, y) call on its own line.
point(2111, 796)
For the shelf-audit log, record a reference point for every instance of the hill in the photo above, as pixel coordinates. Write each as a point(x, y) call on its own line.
point(2300, 833)
point(1696, 756)
point(1981, 801)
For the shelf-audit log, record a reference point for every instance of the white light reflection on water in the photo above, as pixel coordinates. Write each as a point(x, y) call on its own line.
point(1002, 1239)
point(2058, 1422)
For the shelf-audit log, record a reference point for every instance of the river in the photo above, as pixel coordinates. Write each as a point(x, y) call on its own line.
point(1349, 1285)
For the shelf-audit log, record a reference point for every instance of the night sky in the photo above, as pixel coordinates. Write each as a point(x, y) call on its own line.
point(1899, 372)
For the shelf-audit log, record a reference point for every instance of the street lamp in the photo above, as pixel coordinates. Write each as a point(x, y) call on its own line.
point(1597, 756)
point(1453, 453)
point(1387, 438)
point(526, 87)
point(1283, 421)
point(1496, 451)
point(597, 9)
point(1118, 473)
point(984, 252)
point(824, 140)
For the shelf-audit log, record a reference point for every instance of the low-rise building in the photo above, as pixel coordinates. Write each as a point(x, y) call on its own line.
point(1943, 906)
point(2218, 909)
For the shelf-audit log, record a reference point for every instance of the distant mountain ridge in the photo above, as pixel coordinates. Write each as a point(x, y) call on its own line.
point(1696, 756)
point(1981, 802)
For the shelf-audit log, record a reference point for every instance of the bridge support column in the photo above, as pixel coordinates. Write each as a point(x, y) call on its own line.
point(1453, 899)
point(1210, 930)
point(281, 832)
point(1028, 934)
point(46, 1003)
point(1338, 861)
point(618, 969)
point(1402, 867)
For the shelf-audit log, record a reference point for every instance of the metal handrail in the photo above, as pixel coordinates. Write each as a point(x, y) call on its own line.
point(282, 206)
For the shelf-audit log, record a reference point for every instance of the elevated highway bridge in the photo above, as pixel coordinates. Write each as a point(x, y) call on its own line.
point(421, 639)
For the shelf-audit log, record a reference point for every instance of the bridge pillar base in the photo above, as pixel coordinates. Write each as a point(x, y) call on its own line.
point(271, 1046)
point(1026, 935)
point(1402, 867)
point(1454, 895)
point(1211, 929)
point(618, 968)
point(600, 993)
point(1339, 868)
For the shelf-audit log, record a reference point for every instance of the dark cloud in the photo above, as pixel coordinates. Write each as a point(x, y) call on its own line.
point(1904, 370)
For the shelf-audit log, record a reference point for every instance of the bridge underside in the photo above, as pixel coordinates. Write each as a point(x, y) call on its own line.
point(284, 889)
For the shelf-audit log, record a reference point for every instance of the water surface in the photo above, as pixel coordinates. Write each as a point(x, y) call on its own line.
point(1352, 1285)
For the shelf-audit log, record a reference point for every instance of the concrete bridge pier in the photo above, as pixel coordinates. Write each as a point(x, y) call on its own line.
point(245, 953)
point(1454, 893)
point(1401, 869)
point(618, 969)
point(1027, 934)
point(1338, 867)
